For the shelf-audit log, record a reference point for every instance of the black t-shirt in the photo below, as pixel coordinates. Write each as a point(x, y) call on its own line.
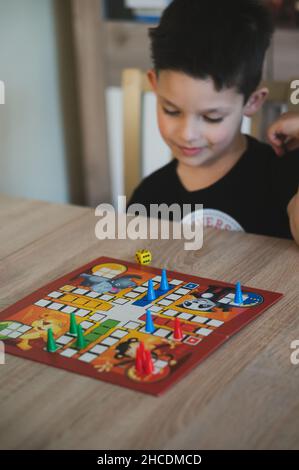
point(252, 196)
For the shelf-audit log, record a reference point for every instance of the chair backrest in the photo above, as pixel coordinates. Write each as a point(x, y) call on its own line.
point(135, 83)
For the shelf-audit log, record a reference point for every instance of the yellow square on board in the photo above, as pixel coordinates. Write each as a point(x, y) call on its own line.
point(67, 288)
point(92, 304)
point(80, 301)
point(68, 298)
point(104, 306)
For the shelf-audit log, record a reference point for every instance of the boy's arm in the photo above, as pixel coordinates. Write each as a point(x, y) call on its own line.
point(283, 135)
point(293, 212)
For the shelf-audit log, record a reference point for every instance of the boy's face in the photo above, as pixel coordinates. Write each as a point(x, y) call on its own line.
point(198, 123)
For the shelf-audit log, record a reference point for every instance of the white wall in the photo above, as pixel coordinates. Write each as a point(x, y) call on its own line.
point(32, 146)
point(154, 153)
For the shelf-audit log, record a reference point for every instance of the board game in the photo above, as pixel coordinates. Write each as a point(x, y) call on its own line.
point(109, 299)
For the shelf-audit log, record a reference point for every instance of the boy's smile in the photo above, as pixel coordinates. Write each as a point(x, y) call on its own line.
point(197, 122)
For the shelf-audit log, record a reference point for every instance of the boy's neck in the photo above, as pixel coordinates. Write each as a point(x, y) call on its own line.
point(196, 178)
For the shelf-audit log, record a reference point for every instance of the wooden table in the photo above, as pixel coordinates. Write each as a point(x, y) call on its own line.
point(245, 395)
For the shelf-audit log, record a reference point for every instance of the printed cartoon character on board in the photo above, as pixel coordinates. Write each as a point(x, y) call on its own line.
point(102, 284)
point(216, 298)
point(37, 334)
point(123, 359)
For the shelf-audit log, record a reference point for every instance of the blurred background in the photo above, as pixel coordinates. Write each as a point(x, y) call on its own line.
point(61, 126)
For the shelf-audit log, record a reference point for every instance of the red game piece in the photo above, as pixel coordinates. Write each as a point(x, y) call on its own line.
point(139, 361)
point(148, 363)
point(177, 334)
point(142, 349)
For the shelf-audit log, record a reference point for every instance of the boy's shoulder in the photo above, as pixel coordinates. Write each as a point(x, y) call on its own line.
point(155, 183)
point(160, 174)
point(262, 152)
point(278, 175)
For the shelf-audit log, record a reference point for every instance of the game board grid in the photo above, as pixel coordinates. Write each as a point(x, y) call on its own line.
point(155, 389)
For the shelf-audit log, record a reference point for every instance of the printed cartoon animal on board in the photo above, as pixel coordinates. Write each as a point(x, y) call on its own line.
point(102, 284)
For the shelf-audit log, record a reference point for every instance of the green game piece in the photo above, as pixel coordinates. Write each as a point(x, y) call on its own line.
point(51, 344)
point(73, 325)
point(80, 343)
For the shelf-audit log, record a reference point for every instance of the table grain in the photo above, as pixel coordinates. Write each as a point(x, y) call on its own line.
point(244, 396)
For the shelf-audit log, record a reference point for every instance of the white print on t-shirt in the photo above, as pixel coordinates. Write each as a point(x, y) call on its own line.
point(214, 218)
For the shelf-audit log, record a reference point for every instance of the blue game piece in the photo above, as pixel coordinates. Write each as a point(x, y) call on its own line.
point(149, 325)
point(151, 295)
point(238, 294)
point(164, 286)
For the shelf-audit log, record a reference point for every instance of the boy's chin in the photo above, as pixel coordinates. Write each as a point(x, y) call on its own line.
point(197, 161)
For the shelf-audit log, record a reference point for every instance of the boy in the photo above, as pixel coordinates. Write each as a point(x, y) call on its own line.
point(208, 57)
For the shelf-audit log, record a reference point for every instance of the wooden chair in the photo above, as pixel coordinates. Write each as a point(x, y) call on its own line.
point(135, 84)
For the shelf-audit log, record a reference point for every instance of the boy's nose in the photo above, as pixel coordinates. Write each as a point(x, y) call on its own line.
point(189, 134)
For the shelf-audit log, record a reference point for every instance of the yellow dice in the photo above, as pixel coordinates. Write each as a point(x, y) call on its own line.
point(143, 256)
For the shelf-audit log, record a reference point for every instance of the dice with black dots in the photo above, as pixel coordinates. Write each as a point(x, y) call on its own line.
point(143, 256)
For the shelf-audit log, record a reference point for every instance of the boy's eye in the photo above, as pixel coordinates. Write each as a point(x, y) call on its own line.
point(213, 120)
point(170, 113)
point(206, 118)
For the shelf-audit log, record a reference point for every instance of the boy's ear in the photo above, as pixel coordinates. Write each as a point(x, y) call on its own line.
point(255, 101)
point(152, 77)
